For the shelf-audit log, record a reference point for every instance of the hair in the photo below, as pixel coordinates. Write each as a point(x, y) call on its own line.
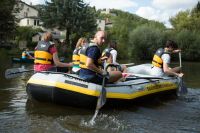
point(171, 44)
point(47, 36)
point(100, 32)
point(112, 44)
point(81, 41)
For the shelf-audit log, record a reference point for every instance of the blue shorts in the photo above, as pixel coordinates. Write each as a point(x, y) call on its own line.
point(97, 78)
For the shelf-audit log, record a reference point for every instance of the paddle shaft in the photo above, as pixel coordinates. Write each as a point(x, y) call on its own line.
point(101, 99)
point(129, 64)
point(180, 61)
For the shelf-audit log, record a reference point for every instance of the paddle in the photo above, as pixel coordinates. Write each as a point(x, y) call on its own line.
point(15, 72)
point(182, 89)
point(134, 78)
point(101, 99)
point(141, 76)
point(129, 64)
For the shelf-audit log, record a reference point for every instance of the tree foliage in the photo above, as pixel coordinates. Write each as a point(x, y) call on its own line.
point(123, 25)
point(144, 40)
point(74, 16)
point(7, 23)
point(187, 32)
point(26, 33)
point(187, 20)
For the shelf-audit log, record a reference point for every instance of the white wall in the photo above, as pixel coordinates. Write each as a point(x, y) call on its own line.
point(29, 22)
point(26, 11)
point(101, 24)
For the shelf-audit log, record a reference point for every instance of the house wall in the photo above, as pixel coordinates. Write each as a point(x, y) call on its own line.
point(26, 11)
point(101, 24)
point(36, 38)
point(29, 22)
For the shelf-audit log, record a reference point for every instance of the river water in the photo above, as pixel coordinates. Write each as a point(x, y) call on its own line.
point(172, 115)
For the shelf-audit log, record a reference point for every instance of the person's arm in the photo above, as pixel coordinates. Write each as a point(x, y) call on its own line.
point(93, 54)
point(166, 68)
point(114, 56)
point(170, 71)
point(176, 51)
point(90, 65)
point(58, 63)
point(29, 56)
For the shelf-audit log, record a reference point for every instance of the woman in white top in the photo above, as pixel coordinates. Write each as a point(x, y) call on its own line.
point(112, 46)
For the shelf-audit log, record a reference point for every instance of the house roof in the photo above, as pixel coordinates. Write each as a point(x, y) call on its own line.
point(27, 4)
point(30, 17)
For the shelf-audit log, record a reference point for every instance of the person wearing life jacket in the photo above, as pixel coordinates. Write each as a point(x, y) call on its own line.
point(90, 62)
point(26, 54)
point(162, 59)
point(112, 46)
point(46, 55)
point(76, 55)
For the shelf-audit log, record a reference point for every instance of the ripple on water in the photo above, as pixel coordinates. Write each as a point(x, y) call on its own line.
point(103, 123)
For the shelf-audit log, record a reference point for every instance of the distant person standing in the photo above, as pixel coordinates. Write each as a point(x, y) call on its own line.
point(76, 55)
point(26, 54)
point(46, 55)
point(162, 58)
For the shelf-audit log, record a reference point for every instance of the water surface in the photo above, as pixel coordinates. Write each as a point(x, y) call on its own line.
point(171, 115)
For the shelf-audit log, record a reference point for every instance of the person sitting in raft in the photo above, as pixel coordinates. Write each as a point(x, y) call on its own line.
point(26, 54)
point(112, 50)
point(162, 58)
point(46, 55)
point(76, 55)
point(114, 67)
point(90, 56)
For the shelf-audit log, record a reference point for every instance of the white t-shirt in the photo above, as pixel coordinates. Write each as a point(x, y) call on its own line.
point(157, 71)
point(114, 56)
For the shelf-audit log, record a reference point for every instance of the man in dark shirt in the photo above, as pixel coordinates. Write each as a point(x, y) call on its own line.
point(90, 69)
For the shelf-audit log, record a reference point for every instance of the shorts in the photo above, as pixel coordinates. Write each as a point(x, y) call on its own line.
point(97, 78)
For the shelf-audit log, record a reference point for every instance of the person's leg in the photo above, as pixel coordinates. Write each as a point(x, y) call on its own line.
point(114, 76)
point(124, 69)
point(176, 69)
point(98, 79)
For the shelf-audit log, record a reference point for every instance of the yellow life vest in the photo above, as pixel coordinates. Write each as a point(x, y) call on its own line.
point(83, 56)
point(24, 54)
point(157, 60)
point(42, 54)
point(76, 57)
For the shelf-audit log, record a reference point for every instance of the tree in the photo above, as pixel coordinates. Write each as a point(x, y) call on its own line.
point(196, 9)
point(123, 24)
point(144, 41)
point(189, 42)
point(181, 20)
point(74, 16)
point(187, 20)
point(7, 23)
point(25, 33)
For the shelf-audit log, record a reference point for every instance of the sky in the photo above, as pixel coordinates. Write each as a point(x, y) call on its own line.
point(159, 10)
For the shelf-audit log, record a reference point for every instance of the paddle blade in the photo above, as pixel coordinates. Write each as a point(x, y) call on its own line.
point(101, 99)
point(182, 89)
point(15, 72)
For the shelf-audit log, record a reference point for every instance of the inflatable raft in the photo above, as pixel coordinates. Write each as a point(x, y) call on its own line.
point(20, 60)
point(69, 89)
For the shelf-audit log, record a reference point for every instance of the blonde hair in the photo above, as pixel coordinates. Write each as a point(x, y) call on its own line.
point(80, 42)
point(47, 36)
